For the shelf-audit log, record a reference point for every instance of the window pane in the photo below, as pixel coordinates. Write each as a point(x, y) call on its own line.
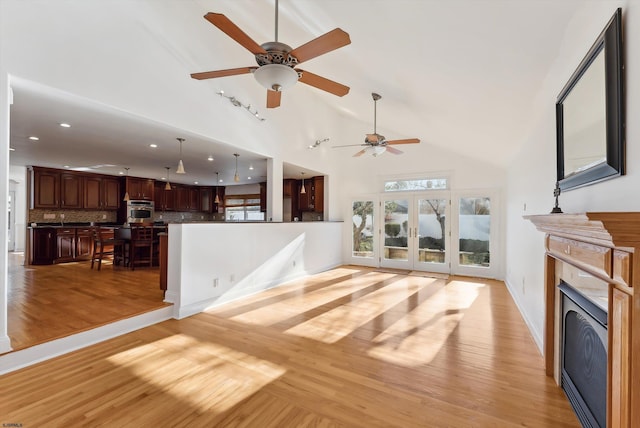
point(475, 225)
point(235, 214)
point(415, 185)
point(362, 219)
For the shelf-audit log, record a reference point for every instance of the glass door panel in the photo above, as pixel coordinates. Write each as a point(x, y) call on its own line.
point(433, 234)
point(363, 232)
point(396, 229)
point(474, 232)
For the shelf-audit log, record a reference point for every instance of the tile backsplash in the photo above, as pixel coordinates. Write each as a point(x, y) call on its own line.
point(71, 216)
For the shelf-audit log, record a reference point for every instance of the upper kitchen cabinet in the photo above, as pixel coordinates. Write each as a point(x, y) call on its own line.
point(263, 197)
point(313, 198)
point(164, 199)
point(188, 198)
point(101, 193)
point(288, 187)
point(46, 188)
point(139, 188)
point(206, 201)
point(71, 190)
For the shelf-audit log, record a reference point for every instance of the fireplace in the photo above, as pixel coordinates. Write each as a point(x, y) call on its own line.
point(584, 356)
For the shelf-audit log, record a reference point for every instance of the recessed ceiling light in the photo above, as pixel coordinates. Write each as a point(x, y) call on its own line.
point(11, 149)
point(153, 146)
point(65, 125)
point(248, 178)
point(195, 182)
point(210, 158)
point(163, 178)
point(121, 173)
point(67, 166)
point(220, 181)
point(251, 167)
point(34, 138)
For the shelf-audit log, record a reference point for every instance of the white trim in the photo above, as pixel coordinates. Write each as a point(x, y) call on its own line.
point(35, 354)
point(5, 344)
point(537, 336)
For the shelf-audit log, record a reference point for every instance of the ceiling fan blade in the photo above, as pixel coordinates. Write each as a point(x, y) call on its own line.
point(394, 150)
point(233, 31)
point(407, 141)
point(350, 145)
point(360, 153)
point(273, 98)
point(328, 42)
point(323, 83)
point(222, 73)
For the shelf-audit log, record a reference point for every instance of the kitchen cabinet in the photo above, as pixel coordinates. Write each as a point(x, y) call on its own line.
point(206, 199)
point(188, 198)
point(313, 198)
point(289, 187)
point(164, 200)
point(71, 191)
point(46, 188)
point(42, 246)
point(65, 245)
point(263, 197)
point(139, 188)
point(84, 243)
point(101, 193)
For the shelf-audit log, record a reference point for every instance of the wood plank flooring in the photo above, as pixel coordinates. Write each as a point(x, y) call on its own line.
point(350, 347)
point(49, 302)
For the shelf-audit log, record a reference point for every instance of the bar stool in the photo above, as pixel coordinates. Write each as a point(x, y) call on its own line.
point(141, 245)
point(104, 244)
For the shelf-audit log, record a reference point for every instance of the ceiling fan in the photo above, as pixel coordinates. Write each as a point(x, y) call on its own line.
point(276, 61)
point(375, 143)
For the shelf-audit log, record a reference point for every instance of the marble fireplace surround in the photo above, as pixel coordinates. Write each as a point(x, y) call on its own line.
point(596, 253)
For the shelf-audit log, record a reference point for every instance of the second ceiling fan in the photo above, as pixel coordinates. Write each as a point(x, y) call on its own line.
point(276, 61)
point(375, 143)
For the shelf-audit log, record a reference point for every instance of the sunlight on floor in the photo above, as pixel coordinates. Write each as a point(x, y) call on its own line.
point(217, 380)
point(337, 323)
point(418, 337)
point(271, 314)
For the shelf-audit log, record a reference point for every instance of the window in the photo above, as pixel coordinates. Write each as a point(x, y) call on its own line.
point(243, 208)
point(415, 184)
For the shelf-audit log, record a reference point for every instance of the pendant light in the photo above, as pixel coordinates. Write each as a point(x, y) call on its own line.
point(167, 186)
point(180, 169)
point(303, 190)
point(126, 193)
point(236, 177)
point(217, 199)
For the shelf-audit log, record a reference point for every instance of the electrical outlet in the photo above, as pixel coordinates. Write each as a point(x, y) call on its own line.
point(104, 216)
point(216, 282)
point(61, 215)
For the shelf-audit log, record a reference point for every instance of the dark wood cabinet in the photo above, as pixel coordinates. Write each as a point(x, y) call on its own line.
point(313, 198)
point(71, 191)
point(187, 198)
point(206, 199)
point(139, 188)
point(263, 197)
point(101, 193)
point(65, 245)
point(289, 187)
point(42, 246)
point(164, 200)
point(84, 243)
point(46, 188)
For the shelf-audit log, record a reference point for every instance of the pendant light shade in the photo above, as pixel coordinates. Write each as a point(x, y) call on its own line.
point(236, 177)
point(217, 199)
point(180, 169)
point(167, 186)
point(303, 190)
point(126, 193)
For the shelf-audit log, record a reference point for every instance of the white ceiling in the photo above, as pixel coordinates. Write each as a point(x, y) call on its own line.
point(451, 72)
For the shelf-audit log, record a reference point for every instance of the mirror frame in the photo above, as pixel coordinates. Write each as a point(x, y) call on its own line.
point(610, 40)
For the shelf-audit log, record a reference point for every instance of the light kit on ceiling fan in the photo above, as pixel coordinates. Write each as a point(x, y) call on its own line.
point(180, 169)
point(376, 144)
point(276, 60)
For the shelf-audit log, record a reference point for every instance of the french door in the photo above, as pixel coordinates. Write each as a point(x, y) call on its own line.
point(415, 232)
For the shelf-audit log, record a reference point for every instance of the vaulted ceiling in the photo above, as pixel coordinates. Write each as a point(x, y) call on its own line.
point(451, 72)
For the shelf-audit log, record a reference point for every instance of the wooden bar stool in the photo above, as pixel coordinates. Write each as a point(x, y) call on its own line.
point(141, 245)
point(104, 244)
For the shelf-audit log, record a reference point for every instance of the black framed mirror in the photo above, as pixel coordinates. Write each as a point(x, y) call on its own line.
point(590, 114)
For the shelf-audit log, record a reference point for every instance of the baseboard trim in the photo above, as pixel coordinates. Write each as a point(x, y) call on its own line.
point(45, 351)
point(537, 337)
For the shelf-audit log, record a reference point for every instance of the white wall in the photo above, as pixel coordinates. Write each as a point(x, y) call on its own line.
point(244, 259)
point(18, 175)
point(532, 175)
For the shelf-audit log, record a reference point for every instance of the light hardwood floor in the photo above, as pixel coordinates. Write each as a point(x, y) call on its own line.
point(350, 347)
point(49, 302)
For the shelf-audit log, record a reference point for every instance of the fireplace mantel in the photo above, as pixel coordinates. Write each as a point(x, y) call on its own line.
point(604, 245)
